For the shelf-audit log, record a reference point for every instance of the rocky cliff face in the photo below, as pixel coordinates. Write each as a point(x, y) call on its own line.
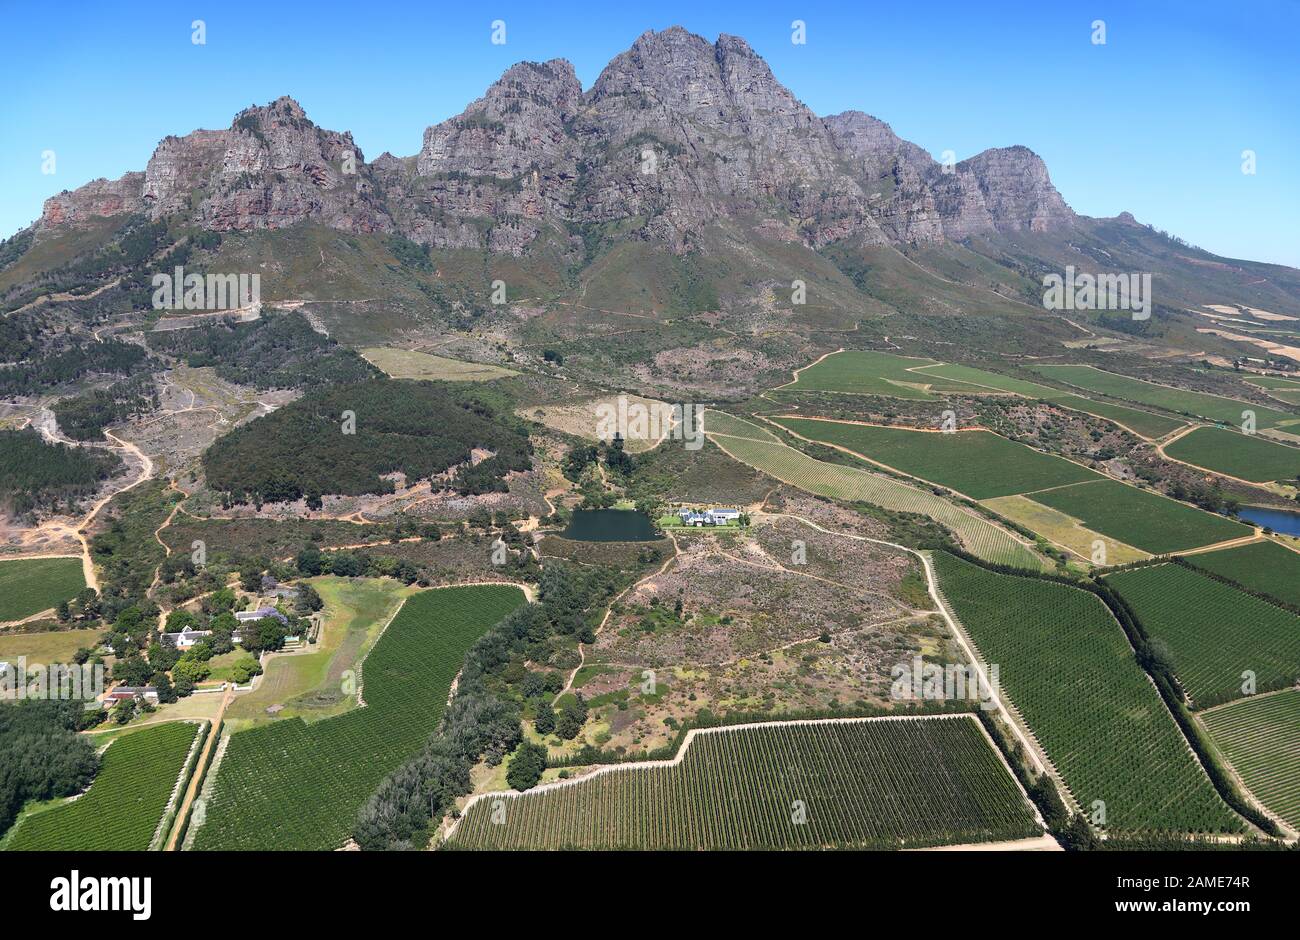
point(676, 134)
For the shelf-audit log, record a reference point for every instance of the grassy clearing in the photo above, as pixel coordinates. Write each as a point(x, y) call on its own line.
point(31, 585)
point(1215, 633)
point(1213, 407)
point(583, 419)
point(309, 685)
point(979, 536)
point(1246, 456)
point(410, 364)
point(53, 646)
point(738, 789)
point(124, 806)
point(1067, 666)
point(979, 464)
point(1140, 518)
point(1260, 566)
point(293, 785)
point(1260, 736)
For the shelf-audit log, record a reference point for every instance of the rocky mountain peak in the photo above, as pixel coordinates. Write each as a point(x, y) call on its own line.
point(677, 133)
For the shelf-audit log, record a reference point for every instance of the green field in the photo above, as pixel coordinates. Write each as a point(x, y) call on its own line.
point(978, 535)
point(862, 784)
point(1271, 382)
point(979, 464)
point(1214, 632)
point(294, 785)
point(1067, 666)
point(31, 585)
point(1262, 566)
point(309, 685)
point(882, 374)
point(1214, 407)
point(126, 803)
point(48, 646)
point(1260, 736)
point(1246, 456)
point(990, 380)
point(1140, 518)
point(860, 372)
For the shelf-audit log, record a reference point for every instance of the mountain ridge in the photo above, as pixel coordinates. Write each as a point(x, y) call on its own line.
point(673, 132)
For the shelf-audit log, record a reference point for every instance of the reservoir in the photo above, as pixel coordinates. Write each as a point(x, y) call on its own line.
point(1279, 520)
point(610, 525)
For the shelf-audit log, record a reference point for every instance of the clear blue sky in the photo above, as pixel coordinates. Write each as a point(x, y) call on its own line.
point(1153, 122)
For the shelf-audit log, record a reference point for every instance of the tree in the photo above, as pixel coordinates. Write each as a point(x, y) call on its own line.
point(194, 670)
point(63, 612)
point(545, 722)
point(124, 711)
point(526, 766)
point(309, 560)
point(244, 669)
point(166, 692)
point(572, 717)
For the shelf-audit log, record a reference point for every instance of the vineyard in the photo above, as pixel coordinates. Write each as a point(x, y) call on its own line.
point(862, 372)
point(1214, 407)
point(1214, 632)
point(1259, 566)
point(123, 807)
point(1246, 456)
point(31, 585)
point(876, 783)
point(1140, 518)
point(980, 464)
point(978, 536)
point(294, 785)
point(1067, 666)
point(1261, 737)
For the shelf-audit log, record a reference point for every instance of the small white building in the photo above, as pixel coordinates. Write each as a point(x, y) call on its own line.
point(186, 639)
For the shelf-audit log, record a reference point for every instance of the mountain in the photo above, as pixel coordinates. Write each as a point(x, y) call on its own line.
point(675, 133)
point(686, 180)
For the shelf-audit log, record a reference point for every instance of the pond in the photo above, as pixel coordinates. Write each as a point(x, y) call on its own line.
point(610, 525)
point(1279, 520)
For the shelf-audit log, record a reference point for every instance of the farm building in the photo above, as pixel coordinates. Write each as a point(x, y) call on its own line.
point(708, 516)
point(244, 616)
point(185, 639)
point(124, 692)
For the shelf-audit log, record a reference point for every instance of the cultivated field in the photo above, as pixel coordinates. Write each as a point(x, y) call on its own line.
point(139, 776)
point(872, 373)
point(409, 364)
point(31, 585)
point(862, 784)
point(1260, 566)
point(294, 785)
point(1140, 518)
point(979, 464)
point(1245, 456)
point(979, 536)
point(1061, 529)
point(860, 372)
point(1067, 666)
point(1214, 632)
point(1214, 407)
point(1261, 738)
